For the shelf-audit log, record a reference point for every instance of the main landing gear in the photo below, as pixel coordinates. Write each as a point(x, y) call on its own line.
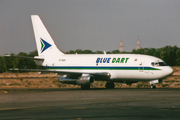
point(110, 85)
point(85, 87)
point(153, 86)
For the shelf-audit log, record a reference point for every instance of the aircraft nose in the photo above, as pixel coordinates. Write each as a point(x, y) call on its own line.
point(170, 71)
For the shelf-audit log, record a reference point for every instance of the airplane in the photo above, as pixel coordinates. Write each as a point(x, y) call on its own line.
point(84, 69)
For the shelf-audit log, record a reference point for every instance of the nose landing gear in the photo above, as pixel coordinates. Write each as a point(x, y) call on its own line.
point(152, 82)
point(110, 85)
point(153, 86)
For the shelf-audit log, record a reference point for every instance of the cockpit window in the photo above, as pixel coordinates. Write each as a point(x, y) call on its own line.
point(158, 64)
point(162, 64)
point(152, 63)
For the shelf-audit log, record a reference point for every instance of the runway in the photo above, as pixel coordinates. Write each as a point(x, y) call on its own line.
point(96, 104)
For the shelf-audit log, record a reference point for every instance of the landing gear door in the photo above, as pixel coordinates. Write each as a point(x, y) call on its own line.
point(141, 68)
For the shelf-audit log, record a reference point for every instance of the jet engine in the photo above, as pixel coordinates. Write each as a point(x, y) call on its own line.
point(84, 79)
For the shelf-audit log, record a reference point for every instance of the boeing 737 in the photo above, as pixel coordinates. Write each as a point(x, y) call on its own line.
point(84, 69)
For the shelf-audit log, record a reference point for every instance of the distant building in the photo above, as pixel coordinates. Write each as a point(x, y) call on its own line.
point(121, 47)
point(138, 46)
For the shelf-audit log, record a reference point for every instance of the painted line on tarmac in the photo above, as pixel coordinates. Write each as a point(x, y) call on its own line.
point(164, 109)
point(20, 108)
point(73, 108)
point(3, 91)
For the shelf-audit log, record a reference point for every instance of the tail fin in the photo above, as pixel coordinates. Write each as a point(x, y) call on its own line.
point(44, 42)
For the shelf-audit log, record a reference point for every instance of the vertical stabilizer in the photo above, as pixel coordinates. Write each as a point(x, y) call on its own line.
point(44, 42)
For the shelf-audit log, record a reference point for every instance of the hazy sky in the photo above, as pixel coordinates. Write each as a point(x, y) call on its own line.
point(90, 24)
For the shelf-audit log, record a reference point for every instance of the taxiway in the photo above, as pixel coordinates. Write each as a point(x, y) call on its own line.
point(96, 104)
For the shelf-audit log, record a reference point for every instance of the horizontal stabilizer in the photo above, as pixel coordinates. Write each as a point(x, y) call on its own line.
point(31, 58)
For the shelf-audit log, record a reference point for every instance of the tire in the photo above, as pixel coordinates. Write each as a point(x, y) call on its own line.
point(110, 85)
point(153, 86)
point(85, 87)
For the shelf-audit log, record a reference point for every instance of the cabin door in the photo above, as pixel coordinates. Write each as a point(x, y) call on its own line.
point(141, 66)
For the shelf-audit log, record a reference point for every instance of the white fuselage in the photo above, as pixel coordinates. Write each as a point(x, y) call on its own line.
point(120, 66)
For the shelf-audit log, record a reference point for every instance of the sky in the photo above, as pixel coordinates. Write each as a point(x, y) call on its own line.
point(90, 24)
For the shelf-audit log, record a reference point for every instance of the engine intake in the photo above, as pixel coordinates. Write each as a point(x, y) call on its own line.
point(85, 79)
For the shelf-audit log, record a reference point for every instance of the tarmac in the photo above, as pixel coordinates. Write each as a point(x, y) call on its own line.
point(96, 104)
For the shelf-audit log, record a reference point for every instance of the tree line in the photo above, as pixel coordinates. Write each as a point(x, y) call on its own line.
point(170, 54)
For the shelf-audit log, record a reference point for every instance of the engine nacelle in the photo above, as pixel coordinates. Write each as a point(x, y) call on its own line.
point(85, 79)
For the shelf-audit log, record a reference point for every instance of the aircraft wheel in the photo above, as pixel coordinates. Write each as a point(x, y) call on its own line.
point(110, 85)
point(153, 86)
point(85, 87)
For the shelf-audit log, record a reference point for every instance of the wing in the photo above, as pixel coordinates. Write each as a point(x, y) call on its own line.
point(98, 76)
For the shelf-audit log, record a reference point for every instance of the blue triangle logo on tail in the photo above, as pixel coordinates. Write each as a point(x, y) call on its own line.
point(44, 45)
